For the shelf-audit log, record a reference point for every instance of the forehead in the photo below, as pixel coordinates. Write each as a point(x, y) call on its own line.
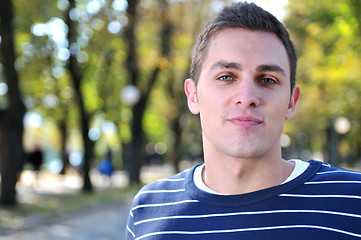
point(245, 46)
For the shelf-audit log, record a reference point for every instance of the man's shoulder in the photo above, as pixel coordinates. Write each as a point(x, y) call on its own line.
point(163, 187)
point(335, 181)
point(330, 172)
point(167, 183)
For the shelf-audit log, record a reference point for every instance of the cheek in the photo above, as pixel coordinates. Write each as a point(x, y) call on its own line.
point(279, 109)
point(212, 106)
point(211, 109)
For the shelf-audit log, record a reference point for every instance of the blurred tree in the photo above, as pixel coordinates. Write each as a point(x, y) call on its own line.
point(167, 118)
point(188, 25)
point(87, 46)
point(327, 36)
point(136, 152)
point(76, 75)
point(108, 45)
point(11, 118)
point(47, 91)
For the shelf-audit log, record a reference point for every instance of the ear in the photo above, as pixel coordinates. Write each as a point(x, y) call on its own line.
point(191, 92)
point(293, 101)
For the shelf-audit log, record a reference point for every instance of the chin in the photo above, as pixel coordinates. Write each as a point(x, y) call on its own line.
point(247, 154)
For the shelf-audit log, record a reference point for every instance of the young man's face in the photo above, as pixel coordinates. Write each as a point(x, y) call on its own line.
point(243, 94)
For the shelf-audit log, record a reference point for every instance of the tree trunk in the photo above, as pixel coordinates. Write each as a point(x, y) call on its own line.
point(11, 120)
point(178, 98)
point(332, 143)
point(63, 153)
point(176, 156)
point(133, 151)
point(136, 146)
point(76, 77)
point(129, 34)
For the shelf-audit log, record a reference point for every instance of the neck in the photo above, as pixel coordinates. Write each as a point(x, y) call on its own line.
point(238, 176)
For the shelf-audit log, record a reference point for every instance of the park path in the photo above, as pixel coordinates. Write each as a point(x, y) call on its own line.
point(105, 222)
point(102, 223)
point(98, 223)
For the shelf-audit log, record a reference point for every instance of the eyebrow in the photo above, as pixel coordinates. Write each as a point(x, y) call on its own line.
point(271, 68)
point(237, 66)
point(225, 64)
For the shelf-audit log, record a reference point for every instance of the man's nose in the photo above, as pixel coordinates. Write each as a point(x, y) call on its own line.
point(246, 93)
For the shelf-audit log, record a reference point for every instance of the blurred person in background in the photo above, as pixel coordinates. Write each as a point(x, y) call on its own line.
point(106, 165)
point(243, 87)
point(36, 160)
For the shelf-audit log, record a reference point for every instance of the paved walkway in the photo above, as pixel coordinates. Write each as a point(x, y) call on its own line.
point(99, 223)
point(103, 223)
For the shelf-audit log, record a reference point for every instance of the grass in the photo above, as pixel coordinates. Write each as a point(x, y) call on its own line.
point(49, 208)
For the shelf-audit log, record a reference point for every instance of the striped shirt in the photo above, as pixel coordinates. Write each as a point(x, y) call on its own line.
point(324, 202)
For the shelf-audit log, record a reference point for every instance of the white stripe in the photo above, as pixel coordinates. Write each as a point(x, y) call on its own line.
point(322, 182)
point(171, 180)
point(339, 171)
point(249, 229)
point(163, 204)
point(247, 213)
point(320, 196)
point(130, 231)
point(159, 191)
point(131, 213)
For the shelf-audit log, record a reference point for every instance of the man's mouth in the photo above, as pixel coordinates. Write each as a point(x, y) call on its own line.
point(245, 121)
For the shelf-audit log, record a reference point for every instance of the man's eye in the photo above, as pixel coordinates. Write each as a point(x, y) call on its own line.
point(226, 78)
point(268, 81)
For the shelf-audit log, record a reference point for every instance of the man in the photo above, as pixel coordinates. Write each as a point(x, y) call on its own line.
point(243, 87)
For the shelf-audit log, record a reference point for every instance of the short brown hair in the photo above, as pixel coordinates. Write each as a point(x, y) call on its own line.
point(247, 16)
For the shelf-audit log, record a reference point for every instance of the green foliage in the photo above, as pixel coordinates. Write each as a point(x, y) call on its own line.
point(327, 37)
point(43, 50)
